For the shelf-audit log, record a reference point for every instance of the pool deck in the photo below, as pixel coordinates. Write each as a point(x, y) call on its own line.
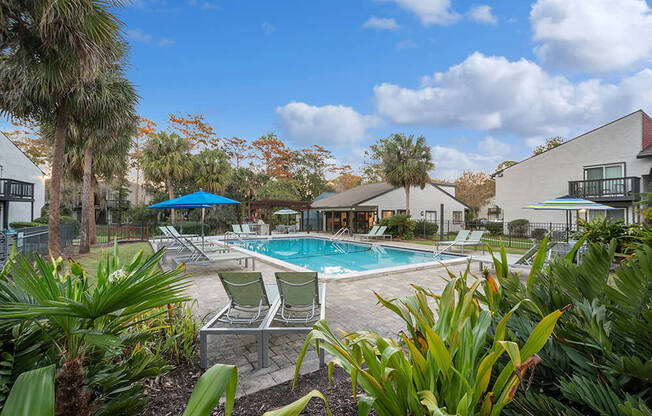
point(350, 305)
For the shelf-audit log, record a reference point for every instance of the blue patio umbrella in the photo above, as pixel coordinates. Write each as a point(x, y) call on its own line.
point(199, 199)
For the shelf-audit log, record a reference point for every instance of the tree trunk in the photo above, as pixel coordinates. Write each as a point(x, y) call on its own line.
point(137, 185)
point(171, 196)
point(54, 241)
point(407, 199)
point(84, 239)
point(91, 213)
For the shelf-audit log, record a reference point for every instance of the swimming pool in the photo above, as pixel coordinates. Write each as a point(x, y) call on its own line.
point(338, 257)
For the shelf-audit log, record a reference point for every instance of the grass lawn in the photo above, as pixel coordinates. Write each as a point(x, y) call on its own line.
point(510, 250)
point(126, 251)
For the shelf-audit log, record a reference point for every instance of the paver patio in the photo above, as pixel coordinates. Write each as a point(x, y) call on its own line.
point(350, 306)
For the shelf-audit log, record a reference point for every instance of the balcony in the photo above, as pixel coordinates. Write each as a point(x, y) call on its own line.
point(494, 211)
point(613, 189)
point(13, 190)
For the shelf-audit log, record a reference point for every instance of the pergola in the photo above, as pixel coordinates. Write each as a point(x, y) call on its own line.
point(270, 204)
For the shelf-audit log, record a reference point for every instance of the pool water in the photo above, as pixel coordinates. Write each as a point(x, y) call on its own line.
point(337, 257)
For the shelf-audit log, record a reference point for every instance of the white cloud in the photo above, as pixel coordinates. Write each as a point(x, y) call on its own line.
point(268, 28)
point(592, 35)
point(337, 126)
point(138, 35)
point(516, 97)
point(492, 146)
point(482, 14)
point(430, 12)
point(406, 44)
point(165, 42)
point(385, 23)
point(451, 162)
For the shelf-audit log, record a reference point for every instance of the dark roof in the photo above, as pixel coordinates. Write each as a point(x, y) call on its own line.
point(574, 138)
point(441, 182)
point(354, 196)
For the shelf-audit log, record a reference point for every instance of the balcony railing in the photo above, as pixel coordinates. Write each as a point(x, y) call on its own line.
point(606, 189)
point(493, 211)
point(13, 189)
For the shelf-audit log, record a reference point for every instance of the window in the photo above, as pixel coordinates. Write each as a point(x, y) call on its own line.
point(612, 215)
point(458, 217)
point(400, 212)
point(605, 179)
point(386, 213)
point(431, 216)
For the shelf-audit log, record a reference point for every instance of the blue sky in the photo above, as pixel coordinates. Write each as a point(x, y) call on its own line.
point(482, 81)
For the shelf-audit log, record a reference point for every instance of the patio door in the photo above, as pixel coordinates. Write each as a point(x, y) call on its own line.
point(605, 180)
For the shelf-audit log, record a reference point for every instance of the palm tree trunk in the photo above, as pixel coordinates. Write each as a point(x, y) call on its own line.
point(54, 242)
point(137, 184)
point(84, 239)
point(171, 196)
point(407, 199)
point(91, 212)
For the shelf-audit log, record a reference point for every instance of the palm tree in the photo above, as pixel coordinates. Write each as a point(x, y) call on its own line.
point(166, 159)
point(406, 163)
point(48, 50)
point(212, 170)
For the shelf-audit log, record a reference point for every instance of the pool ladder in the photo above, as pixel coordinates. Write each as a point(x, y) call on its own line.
point(340, 234)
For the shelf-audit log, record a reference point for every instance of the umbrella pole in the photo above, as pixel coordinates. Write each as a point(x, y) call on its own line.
point(202, 227)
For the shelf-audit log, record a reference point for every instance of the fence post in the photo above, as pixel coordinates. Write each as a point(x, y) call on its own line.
point(142, 230)
point(441, 222)
point(108, 232)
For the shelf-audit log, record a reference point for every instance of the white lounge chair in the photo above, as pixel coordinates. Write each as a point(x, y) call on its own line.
point(246, 230)
point(474, 240)
point(371, 232)
point(462, 235)
point(381, 233)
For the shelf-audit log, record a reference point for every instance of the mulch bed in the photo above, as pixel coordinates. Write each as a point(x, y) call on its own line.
point(169, 394)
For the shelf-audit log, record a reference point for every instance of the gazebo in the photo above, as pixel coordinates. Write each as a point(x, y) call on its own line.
point(269, 205)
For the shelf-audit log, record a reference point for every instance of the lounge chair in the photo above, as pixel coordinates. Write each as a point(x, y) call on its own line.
point(299, 293)
point(474, 240)
point(246, 230)
point(461, 236)
point(371, 232)
point(280, 229)
point(381, 233)
point(218, 254)
point(248, 300)
point(513, 260)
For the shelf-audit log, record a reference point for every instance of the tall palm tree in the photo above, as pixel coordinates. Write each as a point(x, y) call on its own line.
point(48, 50)
point(166, 159)
point(109, 119)
point(406, 163)
point(212, 170)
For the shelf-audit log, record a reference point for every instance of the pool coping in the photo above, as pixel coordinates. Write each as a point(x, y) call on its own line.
point(353, 275)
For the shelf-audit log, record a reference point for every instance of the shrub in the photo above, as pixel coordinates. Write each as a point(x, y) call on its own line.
point(599, 360)
point(24, 224)
point(399, 226)
point(494, 228)
point(518, 228)
point(539, 233)
point(86, 329)
point(602, 230)
point(425, 229)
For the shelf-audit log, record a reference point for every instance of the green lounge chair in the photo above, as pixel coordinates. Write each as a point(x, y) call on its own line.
point(381, 233)
point(246, 230)
point(371, 232)
point(248, 300)
point(474, 240)
point(299, 294)
point(461, 236)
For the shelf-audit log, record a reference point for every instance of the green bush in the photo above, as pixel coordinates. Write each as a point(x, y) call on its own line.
point(24, 224)
point(602, 230)
point(599, 361)
point(51, 315)
point(425, 229)
point(399, 226)
point(539, 233)
point(63, 219)
point(518, 228)
point(494, 228)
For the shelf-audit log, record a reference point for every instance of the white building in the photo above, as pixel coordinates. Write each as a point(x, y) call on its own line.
point(22, 185)
point(609, 164)
point(363, 206)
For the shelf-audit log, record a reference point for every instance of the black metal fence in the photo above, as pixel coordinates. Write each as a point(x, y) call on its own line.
point(122, 232)
point(33, 240)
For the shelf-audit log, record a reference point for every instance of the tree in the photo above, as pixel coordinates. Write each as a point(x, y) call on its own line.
point(550, 143)
point(372, 170)
point(237, 149)
point(212, 171)
point(246, 183)
point(474, 189)
point(346, 181)
point(193, 129)
point(166, 159)
point(406, 162)
point(274, 156)
point(309, 167)
point(48, 50)
point(145, 129)
point(506, 164)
